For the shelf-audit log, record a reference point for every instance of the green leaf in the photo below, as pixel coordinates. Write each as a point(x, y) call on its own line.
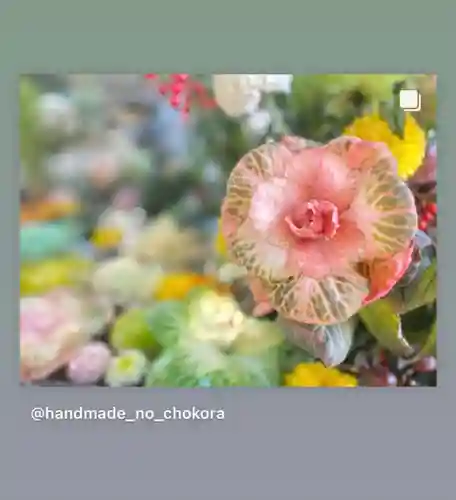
point(167, 320)
point(393, 114)
point(385, 325)
point(425, 289)
point(430, 346)
point(329, 343)
point(200, 364)
point(258, 336)
point(420, 292)
point(290, 356)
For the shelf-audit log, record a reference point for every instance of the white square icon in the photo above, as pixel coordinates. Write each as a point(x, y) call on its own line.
point(410, 100)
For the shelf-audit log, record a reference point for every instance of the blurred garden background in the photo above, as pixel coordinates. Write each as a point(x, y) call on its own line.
point(125, 279)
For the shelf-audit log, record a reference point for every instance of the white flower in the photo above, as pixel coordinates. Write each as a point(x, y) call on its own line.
point(239, 95)
point(236, 95)
point(123, 281)
point(276, 83)
point(129, 222)
point(259, 122)
point(57, 113)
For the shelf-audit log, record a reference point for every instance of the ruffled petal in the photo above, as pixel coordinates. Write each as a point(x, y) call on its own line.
point(384, 210)
point(258, 197)
point(362, 155)
point(319, 258)
point(259, 253)
point(330, 300)
point(321, 175)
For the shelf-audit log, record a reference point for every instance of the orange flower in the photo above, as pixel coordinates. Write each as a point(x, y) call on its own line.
point(46, 210)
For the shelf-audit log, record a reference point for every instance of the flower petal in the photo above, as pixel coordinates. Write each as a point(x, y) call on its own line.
point(254, 168)
point(322, 175)
point(384, 274)
point(262, 304)
point(319, 258)
point(362, 155)
point(258, 253)
point(333, 299)
point(384, 210)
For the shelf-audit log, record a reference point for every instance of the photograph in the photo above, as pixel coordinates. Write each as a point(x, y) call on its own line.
point(227, 230)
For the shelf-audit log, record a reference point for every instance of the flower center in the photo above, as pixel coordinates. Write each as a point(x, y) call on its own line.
point(314, 219)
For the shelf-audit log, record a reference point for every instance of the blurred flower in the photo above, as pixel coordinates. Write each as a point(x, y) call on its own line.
point(165, 243)
point(126, 369)
point(239, 95)
point(51, 331)
point(208, 337)
point(182, 91)
point(317, 375)
point(89, 364)
point(104, 169)
point(236, 95)
point(258, 123)
point(124, 281)
point(119, 225)
point(43, 276)
point(178, 286)
point(52, 208)
point(127, 198)
point(220, 243)
point(409, 151)
point(57, 113)
point(275, 83)
point(46, 240)
point(215, 318)
point(106, 237)
point(317, 228)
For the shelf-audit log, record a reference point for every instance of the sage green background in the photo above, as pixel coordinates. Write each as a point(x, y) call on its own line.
point(301, 444)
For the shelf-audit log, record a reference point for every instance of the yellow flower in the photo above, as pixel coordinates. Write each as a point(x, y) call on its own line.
point(40, 277)
point(106, 237)
point(178, 286)
point(317, 375)
point(220, 243)
point(409, 151)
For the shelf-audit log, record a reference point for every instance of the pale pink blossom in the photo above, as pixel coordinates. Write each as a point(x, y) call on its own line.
point(89, 364)
point(320, 229)
point(50, 333)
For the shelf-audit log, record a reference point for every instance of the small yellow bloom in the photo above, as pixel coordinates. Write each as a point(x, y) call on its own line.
point(317, 375)
point(178, 286)
point(220, 243)
point(409, 151)
point(106, 237)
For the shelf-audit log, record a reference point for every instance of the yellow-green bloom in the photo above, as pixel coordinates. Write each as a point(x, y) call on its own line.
point(126, 369)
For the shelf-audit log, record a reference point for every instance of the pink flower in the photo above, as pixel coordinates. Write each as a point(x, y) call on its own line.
point(321, 229)
point(50, 332)
point(89, 364)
